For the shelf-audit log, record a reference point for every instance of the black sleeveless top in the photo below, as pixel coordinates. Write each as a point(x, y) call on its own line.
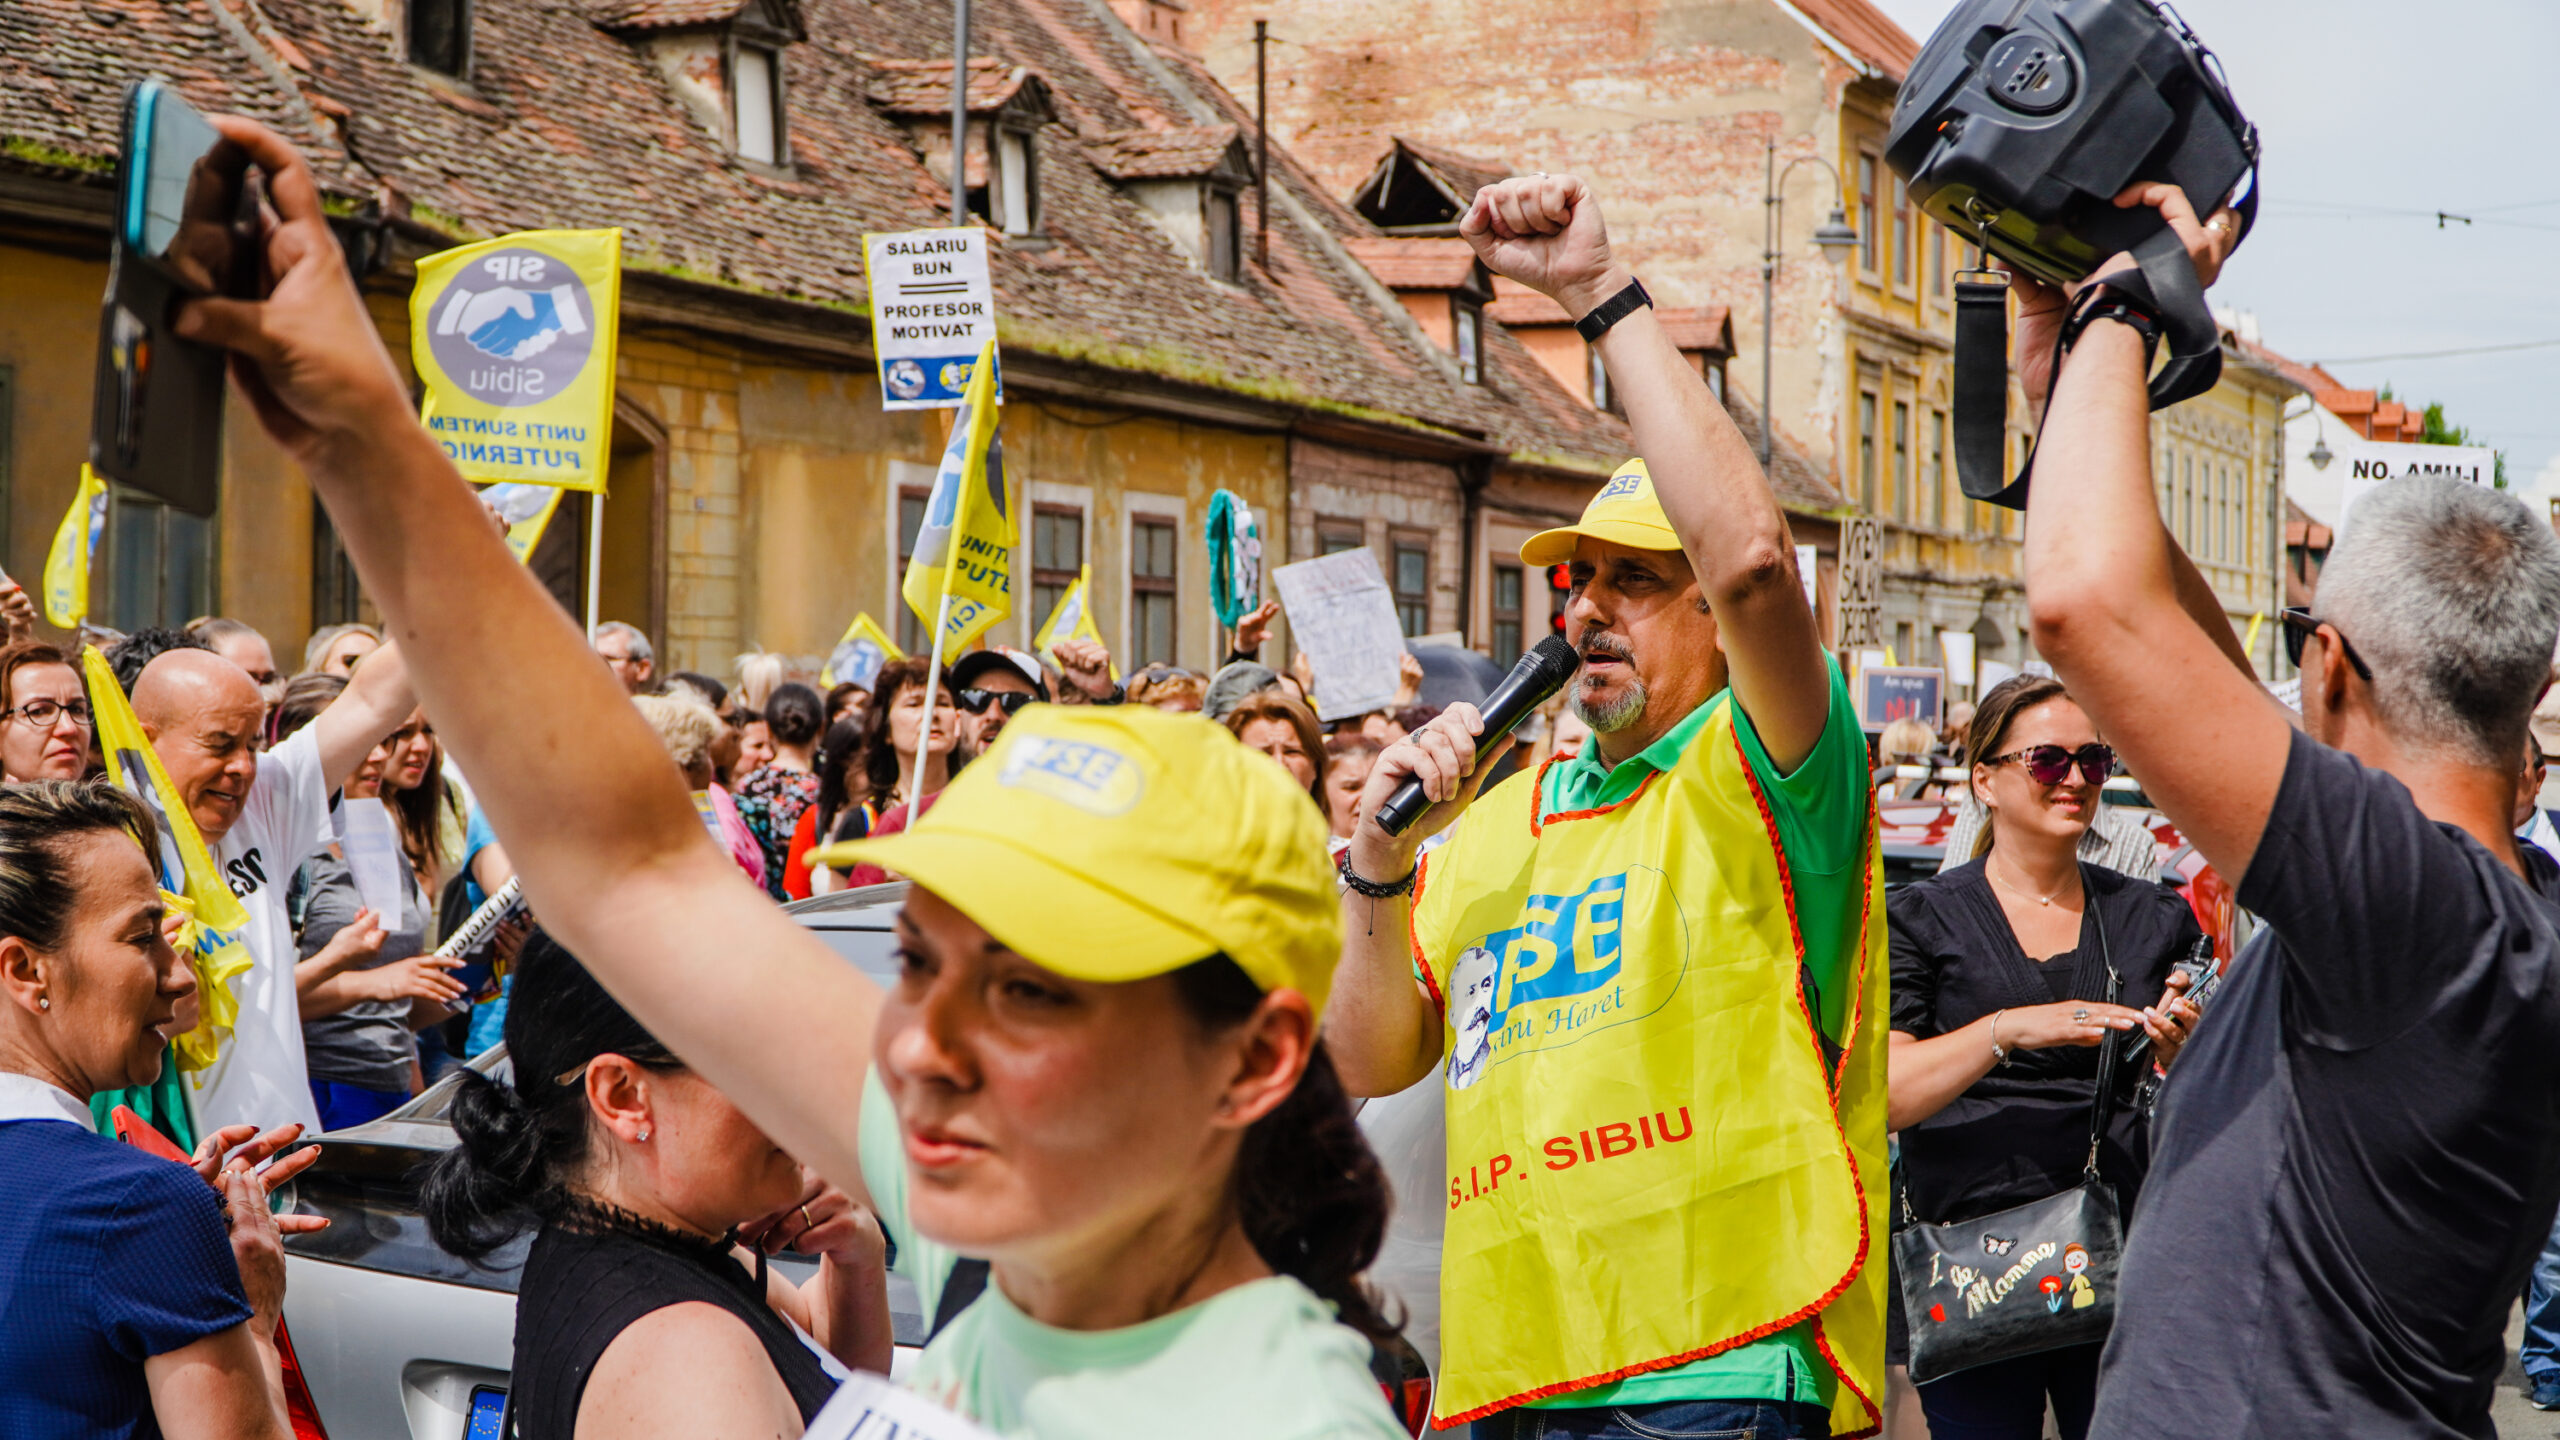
point(585, 1281)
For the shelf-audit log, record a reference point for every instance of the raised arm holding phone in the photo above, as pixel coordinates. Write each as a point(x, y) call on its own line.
point(1124, 1110)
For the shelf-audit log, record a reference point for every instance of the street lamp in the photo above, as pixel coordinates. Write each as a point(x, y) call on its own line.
point(1834, 236)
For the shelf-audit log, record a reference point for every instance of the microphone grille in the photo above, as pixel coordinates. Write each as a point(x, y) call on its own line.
point(1556, 659)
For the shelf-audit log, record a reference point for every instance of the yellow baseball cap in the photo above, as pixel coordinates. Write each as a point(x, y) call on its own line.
point(1114, 843)
point(1625, 511)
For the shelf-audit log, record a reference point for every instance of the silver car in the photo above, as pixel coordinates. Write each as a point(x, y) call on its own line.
point(390, 1338)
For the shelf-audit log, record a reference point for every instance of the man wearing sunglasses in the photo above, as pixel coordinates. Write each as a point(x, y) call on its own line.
point(989, 686)
point(2356, 1160)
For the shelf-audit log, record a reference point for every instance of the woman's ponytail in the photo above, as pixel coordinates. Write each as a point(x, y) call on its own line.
point(1309, 1191)
point(523, 1143)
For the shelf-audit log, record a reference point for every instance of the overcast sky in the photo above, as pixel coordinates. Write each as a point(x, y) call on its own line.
point(2388, 105)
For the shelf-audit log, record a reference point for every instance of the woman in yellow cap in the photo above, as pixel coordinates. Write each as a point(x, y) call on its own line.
point(1099, 1070)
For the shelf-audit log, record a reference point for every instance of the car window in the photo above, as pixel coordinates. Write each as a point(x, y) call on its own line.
point(873, 952)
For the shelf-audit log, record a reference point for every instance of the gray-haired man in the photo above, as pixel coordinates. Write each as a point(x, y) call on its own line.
point(2357, 1159)
point(626, 652)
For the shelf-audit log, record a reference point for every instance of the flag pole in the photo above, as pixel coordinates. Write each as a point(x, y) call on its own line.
point(595, 560)
point(932, 682)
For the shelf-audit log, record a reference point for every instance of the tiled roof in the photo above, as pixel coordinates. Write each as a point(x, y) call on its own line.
point(2309, 377)
point(1174, 153)
point(923, 87)
point(1704, 327)
point(661, 14)
point(1424, 263)
point(564, 124)
point(1868, 32)
point(1516, 304)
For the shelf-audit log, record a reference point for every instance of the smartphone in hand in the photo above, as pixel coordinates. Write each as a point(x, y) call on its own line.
point(185, 223)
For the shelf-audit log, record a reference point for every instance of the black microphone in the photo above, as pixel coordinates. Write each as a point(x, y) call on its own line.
point(1539, 675)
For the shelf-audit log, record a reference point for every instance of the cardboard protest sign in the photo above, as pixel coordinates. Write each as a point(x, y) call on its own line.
point(1343, 616)
point(2372, 463)
point(514, 340)
point(933, 309)
point(1887, 693)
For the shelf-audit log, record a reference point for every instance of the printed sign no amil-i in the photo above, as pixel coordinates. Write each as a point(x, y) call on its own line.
point(933, 307)
point(514, 338)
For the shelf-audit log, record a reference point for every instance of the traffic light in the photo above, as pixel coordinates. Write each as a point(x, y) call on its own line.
point(1559, 595)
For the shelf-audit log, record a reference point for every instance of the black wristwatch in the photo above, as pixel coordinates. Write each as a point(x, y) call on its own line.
point(2108, 303)
point(1612, 310)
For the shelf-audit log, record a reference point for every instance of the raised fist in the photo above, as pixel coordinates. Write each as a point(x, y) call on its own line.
point(1545, 232)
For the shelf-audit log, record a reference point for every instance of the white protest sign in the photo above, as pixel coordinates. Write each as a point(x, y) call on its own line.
point(2373, 463)
point(1809, 570)
point(867, 1407)
point(372, 846)
point(1956, 648)
point(933, 307)
point(1343, 615)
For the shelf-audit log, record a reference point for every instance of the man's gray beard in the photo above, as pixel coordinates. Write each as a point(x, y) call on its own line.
point(1617, 715)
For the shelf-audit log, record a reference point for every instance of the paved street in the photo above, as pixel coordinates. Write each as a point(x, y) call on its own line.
point(2514, 1416)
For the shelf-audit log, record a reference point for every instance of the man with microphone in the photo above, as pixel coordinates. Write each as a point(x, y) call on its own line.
point(1650, 977)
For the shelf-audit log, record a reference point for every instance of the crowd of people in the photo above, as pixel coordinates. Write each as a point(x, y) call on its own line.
point(1158, 946)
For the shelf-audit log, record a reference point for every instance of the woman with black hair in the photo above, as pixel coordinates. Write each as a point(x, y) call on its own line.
point(658, 1203)
point(771, 798)
point(1099, 1070)
point(839, 755)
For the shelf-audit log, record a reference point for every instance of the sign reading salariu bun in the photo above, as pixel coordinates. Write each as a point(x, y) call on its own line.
point(933, 308)
point(514, 338)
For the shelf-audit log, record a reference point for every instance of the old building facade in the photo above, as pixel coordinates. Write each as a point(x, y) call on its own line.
point(1155, 352)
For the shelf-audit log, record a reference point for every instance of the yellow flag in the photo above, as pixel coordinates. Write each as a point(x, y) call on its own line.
point(527, 509)
point(964, 550)
point(188, 879)
point(514, 340)
point(860, 654)
point(75, 542)
point(1072, 620)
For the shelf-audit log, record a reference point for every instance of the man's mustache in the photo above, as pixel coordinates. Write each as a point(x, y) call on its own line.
point(1601, 642)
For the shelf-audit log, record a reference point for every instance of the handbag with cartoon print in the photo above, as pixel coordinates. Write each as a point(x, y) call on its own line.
point(2034, 1277)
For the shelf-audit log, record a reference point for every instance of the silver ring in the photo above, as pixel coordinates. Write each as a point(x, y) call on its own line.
point(2079, 1015)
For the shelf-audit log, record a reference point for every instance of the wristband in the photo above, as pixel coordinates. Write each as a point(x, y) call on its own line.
point(1612, 310)
point(2105, 302)
point(1375, 890)
point(1999, 1056)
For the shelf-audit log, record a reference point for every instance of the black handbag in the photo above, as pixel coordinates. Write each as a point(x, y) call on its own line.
point(2034, 1277)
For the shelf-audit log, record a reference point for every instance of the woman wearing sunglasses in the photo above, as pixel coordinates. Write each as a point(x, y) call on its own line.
point(2001, 983)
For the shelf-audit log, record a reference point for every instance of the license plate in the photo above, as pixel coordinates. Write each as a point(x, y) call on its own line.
point(488, 1414)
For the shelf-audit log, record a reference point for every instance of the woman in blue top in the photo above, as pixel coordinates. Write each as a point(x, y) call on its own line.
point(125, 1308)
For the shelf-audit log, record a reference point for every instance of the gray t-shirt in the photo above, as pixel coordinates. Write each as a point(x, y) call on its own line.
point(2355, 1162)
point(368, 1044)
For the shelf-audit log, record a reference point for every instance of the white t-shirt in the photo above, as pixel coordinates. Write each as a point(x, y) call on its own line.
point(258, 1078)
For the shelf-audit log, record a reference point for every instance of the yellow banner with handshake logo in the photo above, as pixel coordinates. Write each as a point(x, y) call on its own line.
point(514, 338)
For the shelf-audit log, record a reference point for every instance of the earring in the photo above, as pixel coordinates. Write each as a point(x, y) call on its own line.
point(644, 1136)
point(44, 1002)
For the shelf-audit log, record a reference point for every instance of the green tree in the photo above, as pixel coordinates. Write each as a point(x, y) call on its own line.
point(2437, 432)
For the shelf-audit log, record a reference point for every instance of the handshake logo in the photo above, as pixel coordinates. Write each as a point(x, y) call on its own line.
point(512, 328)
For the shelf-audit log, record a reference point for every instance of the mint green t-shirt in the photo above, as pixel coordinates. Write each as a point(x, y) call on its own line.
point(1263, 1361)
point(1821, 810)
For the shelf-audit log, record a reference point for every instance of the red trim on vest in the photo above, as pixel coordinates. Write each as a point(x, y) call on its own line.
point(1822, 1343)
point(1413, 939)
point(1538, 801)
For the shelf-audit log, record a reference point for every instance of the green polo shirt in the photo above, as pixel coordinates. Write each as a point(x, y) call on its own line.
point(1821, 812)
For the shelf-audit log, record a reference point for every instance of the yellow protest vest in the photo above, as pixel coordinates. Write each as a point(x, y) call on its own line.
point(1651, 1157)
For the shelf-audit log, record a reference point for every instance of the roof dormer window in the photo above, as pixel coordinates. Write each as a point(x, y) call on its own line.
point(1189, 180)
point(440, 35)
point(1008, 104)
point(724, 59)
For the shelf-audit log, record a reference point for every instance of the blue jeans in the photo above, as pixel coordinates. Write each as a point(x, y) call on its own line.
point(343, 1106)
point(1671, 1420)
point(2540, 1351)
